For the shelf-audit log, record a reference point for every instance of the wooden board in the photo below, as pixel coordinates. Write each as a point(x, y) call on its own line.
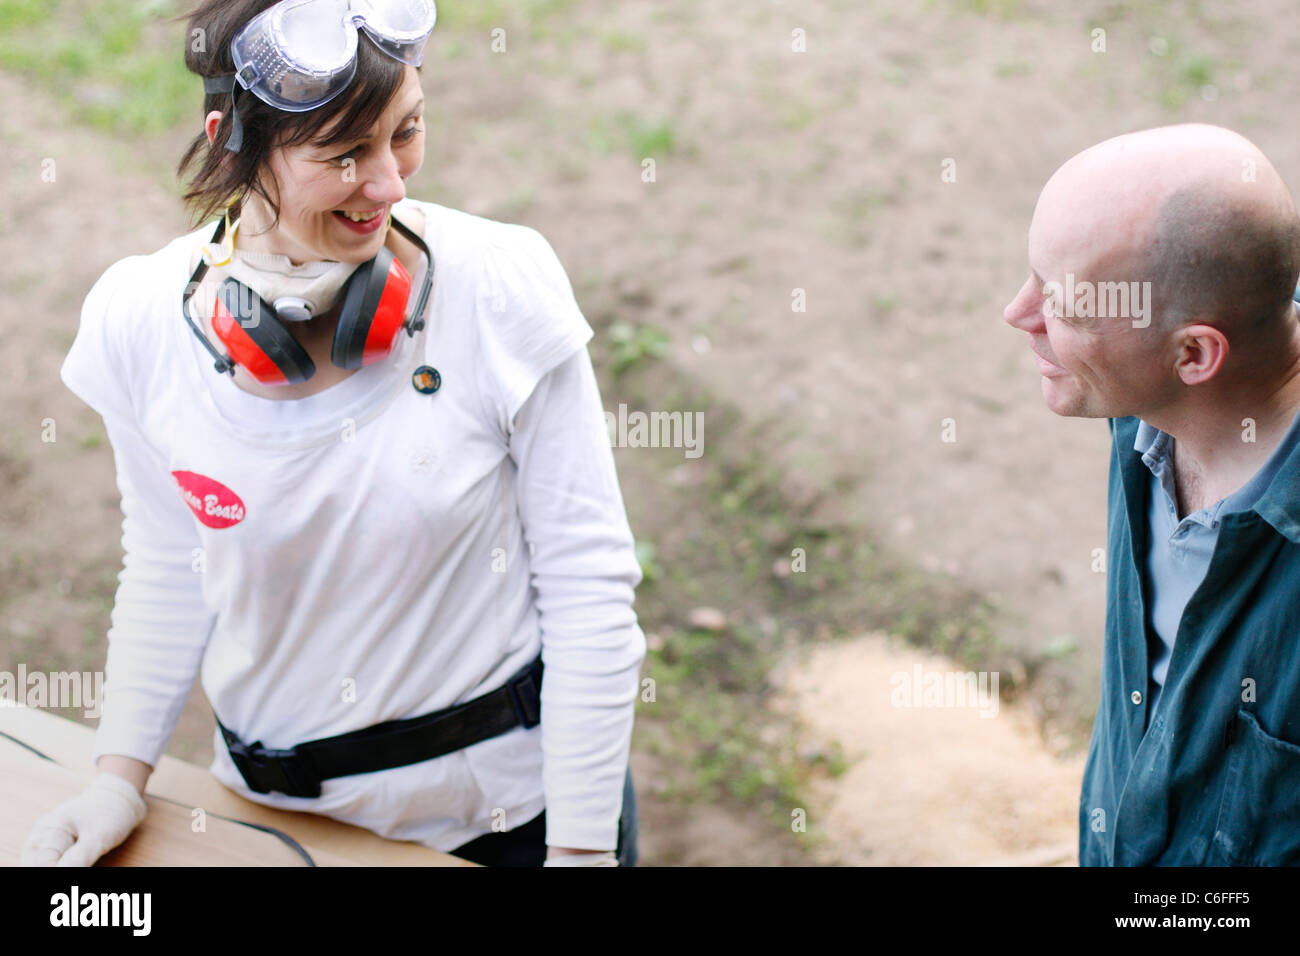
point(30, 785)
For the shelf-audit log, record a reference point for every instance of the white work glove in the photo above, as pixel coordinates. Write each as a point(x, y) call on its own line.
point(583, 859)
point(80, 831)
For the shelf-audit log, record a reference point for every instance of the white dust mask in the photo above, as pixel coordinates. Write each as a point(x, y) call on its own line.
point(296, 293)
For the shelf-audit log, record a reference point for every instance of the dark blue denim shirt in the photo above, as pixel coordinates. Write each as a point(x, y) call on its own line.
point(1179, 550)
point(1215, 778)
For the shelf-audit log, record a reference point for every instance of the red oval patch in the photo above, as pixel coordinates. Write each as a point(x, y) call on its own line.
point(212, 502)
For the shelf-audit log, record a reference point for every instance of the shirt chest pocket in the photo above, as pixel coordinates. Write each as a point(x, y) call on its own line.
point(1259, 816)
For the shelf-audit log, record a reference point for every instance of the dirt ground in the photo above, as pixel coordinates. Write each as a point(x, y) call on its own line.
point(816, 172)
point(926, 785)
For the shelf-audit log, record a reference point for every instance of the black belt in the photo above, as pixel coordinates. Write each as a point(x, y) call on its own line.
point(298, 771)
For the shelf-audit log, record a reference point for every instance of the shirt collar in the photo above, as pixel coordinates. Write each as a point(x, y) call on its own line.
point(1273, 491)
point(1152, 444)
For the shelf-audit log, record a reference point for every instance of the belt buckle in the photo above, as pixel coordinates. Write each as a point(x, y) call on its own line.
point(529, 715)
point(266, 770)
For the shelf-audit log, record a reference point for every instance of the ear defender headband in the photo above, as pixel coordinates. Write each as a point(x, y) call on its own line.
point(375, 309)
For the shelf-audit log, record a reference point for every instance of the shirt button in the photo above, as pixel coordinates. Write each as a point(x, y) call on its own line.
point(1136, 697)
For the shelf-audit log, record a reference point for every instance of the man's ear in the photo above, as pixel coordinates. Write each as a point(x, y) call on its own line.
point(1202, 350)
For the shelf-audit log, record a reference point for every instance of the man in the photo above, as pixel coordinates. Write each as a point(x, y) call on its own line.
point(1162, 269)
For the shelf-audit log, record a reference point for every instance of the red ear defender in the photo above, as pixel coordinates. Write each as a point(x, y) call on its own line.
point(250, 330)
point(373, 312)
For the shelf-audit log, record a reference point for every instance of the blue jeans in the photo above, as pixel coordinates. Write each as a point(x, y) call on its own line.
point(526, 845)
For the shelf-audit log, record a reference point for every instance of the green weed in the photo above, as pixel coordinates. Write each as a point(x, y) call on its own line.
point(616, 41)
point(630, 345)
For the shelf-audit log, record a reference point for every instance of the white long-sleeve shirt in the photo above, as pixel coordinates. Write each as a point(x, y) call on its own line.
point(370, 552)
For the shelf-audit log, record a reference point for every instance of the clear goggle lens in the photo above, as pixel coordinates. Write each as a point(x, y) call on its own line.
point(300, 54)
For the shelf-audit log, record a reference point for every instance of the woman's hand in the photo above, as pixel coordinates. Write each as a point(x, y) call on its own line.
point(80, 831)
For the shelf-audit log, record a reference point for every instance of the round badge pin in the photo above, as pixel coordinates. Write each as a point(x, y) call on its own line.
point(426, 379)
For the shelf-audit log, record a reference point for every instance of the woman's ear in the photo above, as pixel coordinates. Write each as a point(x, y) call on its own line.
point(210, 125)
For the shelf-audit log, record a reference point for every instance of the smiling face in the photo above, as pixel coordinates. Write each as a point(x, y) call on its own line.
point(1097, 366)
point(1170, 212)
point(314, 185)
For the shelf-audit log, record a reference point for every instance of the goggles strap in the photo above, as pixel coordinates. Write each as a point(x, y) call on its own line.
point(226, 84)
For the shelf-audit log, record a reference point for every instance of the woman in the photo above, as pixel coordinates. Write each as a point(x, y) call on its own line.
point(368, 510)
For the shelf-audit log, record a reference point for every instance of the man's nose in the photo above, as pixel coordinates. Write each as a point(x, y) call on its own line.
point(1025, 310)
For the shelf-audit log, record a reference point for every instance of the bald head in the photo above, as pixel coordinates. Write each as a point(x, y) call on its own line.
point(1196, 210)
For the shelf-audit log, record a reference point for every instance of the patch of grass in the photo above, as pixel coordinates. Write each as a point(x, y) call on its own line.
point(22, 13)
point(452, 49)
point(832, 759)
point(646, 554)
point(617, 41)
point(487, 14)
point(642, 138)
point(850, 216)
point(631, 345)
point(115, 65)
point(1060, 647)
point(112, 63)
point(1179, 72)
point(599, 138)
point(795, 116)
point(703, 695)
point(650, 139)
point(893, 75)
point(1001, 9)
point(862, 204)
point(1187, 76)
point(1197, 70)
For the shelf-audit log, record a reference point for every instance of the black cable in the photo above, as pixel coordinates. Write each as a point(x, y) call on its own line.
point(288, 840)
point(29, 747)
point(284, 837)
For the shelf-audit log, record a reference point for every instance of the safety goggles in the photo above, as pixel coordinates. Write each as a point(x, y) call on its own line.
point(300, 54)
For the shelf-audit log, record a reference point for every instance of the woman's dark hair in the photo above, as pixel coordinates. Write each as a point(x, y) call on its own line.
point(224, 175)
